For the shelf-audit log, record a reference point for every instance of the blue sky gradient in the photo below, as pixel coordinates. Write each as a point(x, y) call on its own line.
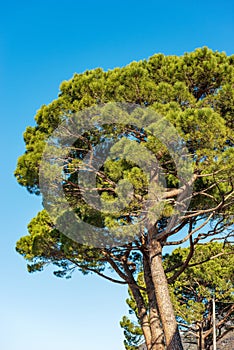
point(43, 43)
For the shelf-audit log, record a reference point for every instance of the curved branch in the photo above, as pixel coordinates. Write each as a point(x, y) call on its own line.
point(190, 233)
point(185, 264)
point(97, 272)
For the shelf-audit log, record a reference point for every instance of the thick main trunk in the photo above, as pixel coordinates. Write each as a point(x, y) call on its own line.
point(157, 342)
point(166, 311)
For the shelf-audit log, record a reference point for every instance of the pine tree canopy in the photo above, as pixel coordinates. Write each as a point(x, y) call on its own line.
point(192, 94)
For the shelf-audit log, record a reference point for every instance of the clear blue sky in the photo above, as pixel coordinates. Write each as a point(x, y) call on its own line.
point(43, 43)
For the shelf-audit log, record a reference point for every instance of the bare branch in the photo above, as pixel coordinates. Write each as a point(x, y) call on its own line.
point(190, 233)
point(185, 264)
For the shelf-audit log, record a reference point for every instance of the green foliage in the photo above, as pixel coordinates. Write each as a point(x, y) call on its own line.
point(194, 288)
point(45, 245)
point(199, 79)
point(132, 333)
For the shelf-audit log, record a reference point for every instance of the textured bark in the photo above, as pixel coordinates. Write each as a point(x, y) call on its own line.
point(201, 338)
point(157, 340)
point(166, 311)
point(142, 314)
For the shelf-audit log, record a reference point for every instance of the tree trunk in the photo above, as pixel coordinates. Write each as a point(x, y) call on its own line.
point(201, 338)
point(166, 311)
point(157, 341)
point(156, 330)
point(142, 314)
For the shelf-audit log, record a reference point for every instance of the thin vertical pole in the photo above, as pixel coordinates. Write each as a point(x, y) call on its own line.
point(214, 325)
